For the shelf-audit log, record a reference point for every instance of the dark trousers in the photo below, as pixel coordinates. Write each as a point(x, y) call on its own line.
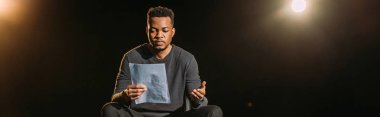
point(117, 110)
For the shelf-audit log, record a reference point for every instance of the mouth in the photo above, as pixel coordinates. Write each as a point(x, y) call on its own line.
point(158, 43)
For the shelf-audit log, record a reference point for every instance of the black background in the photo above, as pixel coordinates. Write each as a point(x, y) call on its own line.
point(61, 59)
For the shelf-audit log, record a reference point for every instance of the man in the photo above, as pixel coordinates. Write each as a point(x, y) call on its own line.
point(181, 69)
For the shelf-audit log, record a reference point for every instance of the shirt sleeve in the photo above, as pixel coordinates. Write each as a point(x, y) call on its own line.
point(123, 79)
point(193, 81)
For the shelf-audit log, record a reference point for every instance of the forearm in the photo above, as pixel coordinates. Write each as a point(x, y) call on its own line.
point(122, 81)
point(199, 103)
point(121, 97)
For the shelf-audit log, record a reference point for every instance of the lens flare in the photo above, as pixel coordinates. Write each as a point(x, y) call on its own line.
point(298, 5)
point(3, 6)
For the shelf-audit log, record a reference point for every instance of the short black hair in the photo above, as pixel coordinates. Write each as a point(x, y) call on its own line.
point(160, 11)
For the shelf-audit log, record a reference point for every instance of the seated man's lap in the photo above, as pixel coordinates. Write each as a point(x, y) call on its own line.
point(205, 111)
point(114, 109)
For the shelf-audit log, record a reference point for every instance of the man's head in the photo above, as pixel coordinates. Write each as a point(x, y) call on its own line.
point(160, 27)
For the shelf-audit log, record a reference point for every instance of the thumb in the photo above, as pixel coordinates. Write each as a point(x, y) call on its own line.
point(203, 85)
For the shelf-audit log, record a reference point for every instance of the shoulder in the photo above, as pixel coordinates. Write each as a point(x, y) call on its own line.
point(136, 52)
point(182, 55)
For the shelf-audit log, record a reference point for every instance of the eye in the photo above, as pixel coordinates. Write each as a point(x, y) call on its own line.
point(153, 30)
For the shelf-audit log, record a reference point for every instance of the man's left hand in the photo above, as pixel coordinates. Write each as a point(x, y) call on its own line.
point(200, 92)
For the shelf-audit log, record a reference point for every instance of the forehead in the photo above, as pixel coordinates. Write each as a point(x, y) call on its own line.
point(160, 21)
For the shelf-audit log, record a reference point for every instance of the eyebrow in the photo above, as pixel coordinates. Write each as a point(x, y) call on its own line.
point(158, 28)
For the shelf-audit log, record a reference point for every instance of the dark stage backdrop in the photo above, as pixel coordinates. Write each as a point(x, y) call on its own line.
point(259, 59)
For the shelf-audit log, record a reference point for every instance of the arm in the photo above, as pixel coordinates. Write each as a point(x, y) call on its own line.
point(124, 91)
point(195, 90)
point(123, 79)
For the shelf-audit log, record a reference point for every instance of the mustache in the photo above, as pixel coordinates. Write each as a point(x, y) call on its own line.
point(156, 41)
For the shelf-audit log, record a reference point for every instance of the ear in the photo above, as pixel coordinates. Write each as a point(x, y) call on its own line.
point(173, 30)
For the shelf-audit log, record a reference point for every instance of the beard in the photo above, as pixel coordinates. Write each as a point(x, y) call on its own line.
point(159, 47)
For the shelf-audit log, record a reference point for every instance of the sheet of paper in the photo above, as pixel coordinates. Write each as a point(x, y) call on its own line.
point(154, 77)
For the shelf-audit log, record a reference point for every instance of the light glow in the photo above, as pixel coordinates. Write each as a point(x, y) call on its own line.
point(3, 6)
point(7, 7)
point(298, 5)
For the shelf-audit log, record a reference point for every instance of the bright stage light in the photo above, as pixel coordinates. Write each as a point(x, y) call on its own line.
point(11, 14)
point(3, 5)
point(298, 5)
point(11, 10)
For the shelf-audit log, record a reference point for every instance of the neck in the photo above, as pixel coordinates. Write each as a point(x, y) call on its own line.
point(163, 53)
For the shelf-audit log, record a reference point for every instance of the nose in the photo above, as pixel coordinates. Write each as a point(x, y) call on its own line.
point(160, 34)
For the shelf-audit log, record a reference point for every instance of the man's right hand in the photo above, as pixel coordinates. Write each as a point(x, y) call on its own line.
point(135, 91)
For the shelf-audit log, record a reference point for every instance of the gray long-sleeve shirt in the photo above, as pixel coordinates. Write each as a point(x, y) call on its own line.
point(182, 78)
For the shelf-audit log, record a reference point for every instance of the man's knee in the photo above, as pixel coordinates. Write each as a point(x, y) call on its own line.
point(110, 108)
point(216, 110)
point(213, 111)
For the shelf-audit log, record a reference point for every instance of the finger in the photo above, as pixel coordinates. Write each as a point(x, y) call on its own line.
point(198, 94)
point(202, 91)
point(195, 95)
point(203, 85)
point(135, 94)
point(139, 86)
point(136, 90)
